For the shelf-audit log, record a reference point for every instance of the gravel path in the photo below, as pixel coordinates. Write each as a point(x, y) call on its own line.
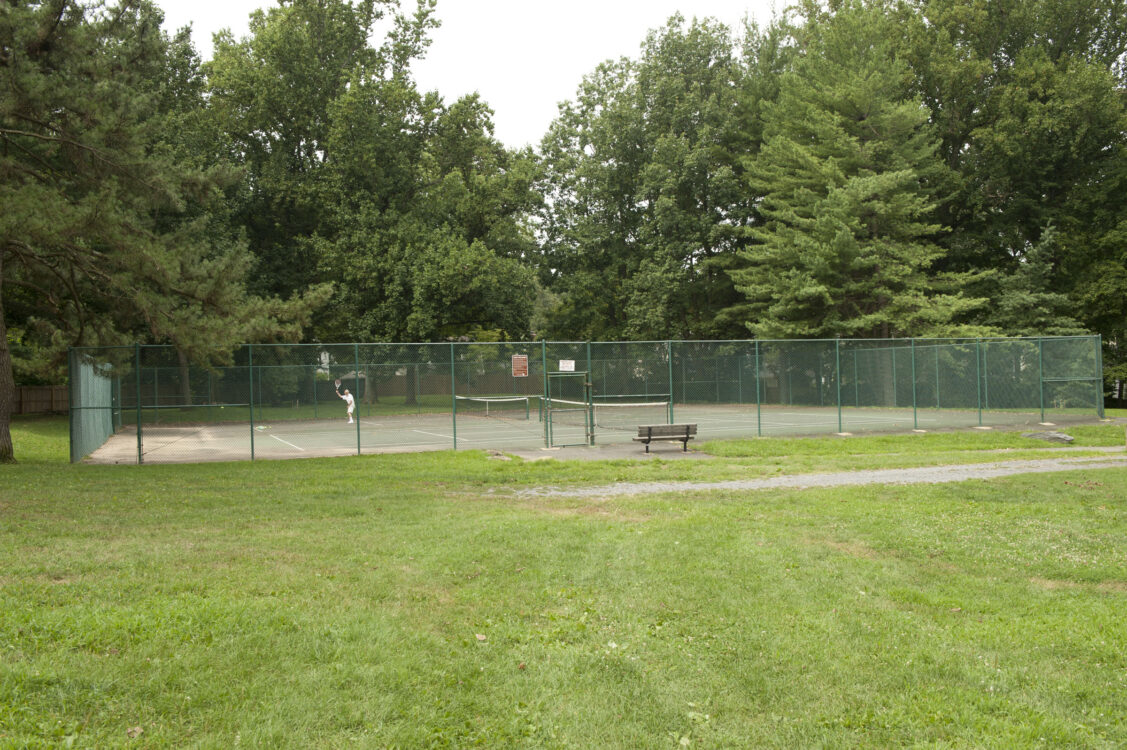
point(924, 475)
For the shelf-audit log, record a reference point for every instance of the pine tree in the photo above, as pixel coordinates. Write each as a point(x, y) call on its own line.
point(847, 246)
point(107, 237)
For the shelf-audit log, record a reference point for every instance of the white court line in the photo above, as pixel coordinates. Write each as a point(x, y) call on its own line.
point(434, 434)
point(288, 443)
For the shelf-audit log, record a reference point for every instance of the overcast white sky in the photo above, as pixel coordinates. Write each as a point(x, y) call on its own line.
point(522, 56)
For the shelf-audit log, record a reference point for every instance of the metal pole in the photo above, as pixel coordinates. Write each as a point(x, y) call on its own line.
point(837, 356)
point(978, 378)
point(453, 397)
point(545, 412)
point(985, 377)
point(1041, 373)
point(915, 414)
point(356, 396)
point(589, 387)
point(669, 355)
point(1098, 341)
point(758, 400)
point(137, 365)
point(250, 368)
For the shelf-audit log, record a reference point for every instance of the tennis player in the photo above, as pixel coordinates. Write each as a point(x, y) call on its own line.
point(350, 401)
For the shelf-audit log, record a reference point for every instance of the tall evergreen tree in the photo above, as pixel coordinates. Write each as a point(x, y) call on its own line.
point(847, 170)
point(104, 234)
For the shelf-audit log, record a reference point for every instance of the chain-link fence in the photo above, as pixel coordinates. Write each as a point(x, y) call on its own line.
point(145, 404)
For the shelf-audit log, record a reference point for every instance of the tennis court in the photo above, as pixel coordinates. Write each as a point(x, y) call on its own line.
point(189, 443)
point(144, 404)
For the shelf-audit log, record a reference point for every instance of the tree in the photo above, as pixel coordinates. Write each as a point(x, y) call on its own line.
point(644, 175)
point(273, 96)
point(104, 235)
point(428, 236)
point(847, 170)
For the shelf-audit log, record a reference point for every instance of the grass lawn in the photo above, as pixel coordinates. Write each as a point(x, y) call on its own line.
point(416, 601)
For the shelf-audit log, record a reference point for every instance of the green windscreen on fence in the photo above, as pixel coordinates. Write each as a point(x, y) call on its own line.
point(151, 404)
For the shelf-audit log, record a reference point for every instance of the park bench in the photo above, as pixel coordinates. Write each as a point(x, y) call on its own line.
point(679, 433)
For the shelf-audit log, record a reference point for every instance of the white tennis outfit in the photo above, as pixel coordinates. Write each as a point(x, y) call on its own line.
point(351, 404)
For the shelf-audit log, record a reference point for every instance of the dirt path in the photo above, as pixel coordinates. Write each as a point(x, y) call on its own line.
point(924, 475)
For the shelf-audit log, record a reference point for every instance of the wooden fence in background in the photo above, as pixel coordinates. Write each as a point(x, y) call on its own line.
point(40, 399)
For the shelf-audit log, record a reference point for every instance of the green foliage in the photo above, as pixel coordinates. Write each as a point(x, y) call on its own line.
point(361, 180)
point(644, 196)
point(847, 247)
point(108, 232)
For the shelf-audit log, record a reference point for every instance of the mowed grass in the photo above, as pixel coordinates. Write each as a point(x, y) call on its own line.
point(423, 601)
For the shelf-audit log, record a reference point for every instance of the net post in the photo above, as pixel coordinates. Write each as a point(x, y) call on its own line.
point(250, 370)
point(669, 356)
point(1041, 372)
point(1097, 340)
point(915, 412)
point(356, 396)
point(453, 399)
point(137, 367)
point(837, 354)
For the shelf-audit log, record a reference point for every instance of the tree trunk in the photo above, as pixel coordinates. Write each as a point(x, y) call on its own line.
point(412, 373)
point(7, 382)
point(185, 379)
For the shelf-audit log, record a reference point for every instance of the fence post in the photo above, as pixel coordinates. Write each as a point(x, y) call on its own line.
point(758, 400)
point(915, 412)
point(1041, 373)
point(250, 398)
point(590, 380)
point(837, 377)
point(669, 354)
point(978, 375)
point(1098, 340)
point(544, 415)
point(453, 397)
point(137, 367)
point(356, 396)
point(985, 376)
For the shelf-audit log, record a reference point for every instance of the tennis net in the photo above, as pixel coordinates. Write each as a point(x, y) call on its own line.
point(497, 407)
point(616, 416)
